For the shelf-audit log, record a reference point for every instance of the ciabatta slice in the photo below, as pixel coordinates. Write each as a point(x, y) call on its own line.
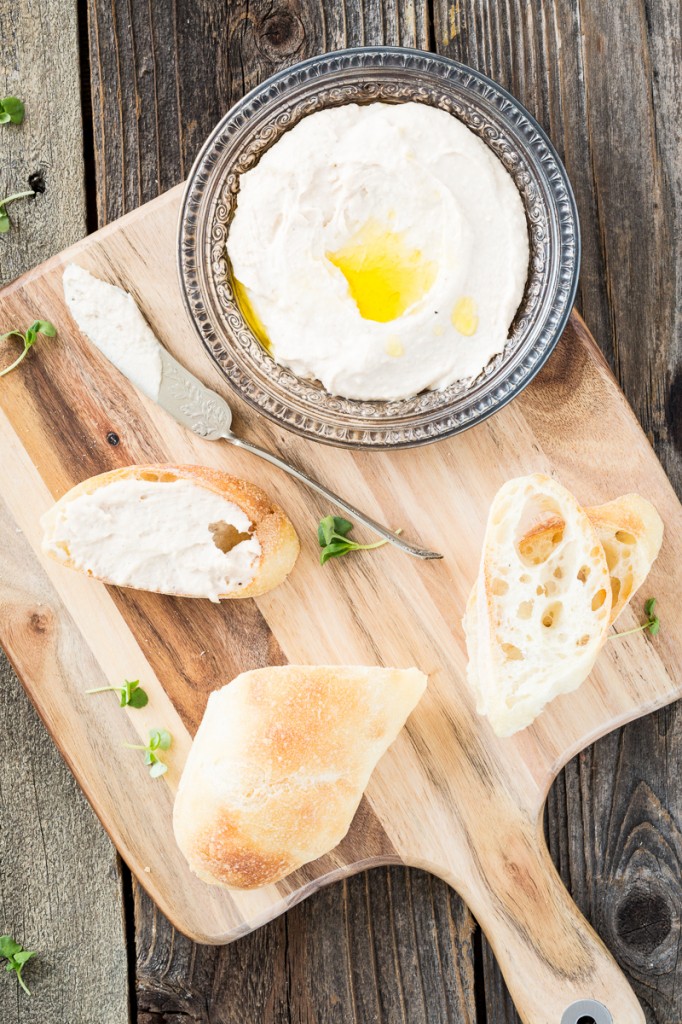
point(188, 531)
point(631, 533)
point(279, 765)
point(540, 608)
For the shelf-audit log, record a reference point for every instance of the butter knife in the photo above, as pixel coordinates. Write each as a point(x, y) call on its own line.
point(199, 409)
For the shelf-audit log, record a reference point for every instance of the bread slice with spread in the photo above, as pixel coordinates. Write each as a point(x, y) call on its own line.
point(189, 531)
point(279, 765)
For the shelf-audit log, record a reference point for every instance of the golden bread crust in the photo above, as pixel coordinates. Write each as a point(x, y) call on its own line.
point(280, 763)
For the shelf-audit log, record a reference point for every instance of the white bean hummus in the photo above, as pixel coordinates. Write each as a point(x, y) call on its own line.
point(382, 250)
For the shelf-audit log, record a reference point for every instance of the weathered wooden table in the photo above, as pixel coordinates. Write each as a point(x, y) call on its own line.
point(119, 98)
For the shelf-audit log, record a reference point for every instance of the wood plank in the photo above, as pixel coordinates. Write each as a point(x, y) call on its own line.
point(59, 876)
point(606, 89)
point(48, 144)
point(164, 75)
point(60, 883)
point(185, 65)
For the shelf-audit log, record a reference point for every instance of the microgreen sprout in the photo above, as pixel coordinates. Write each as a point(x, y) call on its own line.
point(11, 110)
point(652, 625)
point(332, 534)
point(37, 327)
point(130, 695)
point(5, 222)
point(16, 956)
point(159, 739)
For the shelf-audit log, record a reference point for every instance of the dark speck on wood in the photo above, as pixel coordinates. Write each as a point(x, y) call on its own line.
point(36, 181)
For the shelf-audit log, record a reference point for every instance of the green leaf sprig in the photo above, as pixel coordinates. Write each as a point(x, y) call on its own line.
point(5, 222)
point(332, 534)
point(159, 739)
point(16, 956)
point(29, 339)
point(130, 695)
point(11, 110)
point(653, 623)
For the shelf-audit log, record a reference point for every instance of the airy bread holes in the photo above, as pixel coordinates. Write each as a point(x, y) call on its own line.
point(625, 538)
point(612, 552)
point(511, 652)
point(583, 573)
point(552, 614)
point(598, 599)
point(615, 589)
point(525, 610)
point(499, 587)
point(226, 536)
point(540, 530)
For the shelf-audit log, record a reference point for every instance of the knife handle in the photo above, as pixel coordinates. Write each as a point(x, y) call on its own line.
point(335, 499)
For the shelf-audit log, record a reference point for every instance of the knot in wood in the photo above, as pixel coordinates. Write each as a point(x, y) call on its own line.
point(281, 33)
point(39, 622)
point(36, 181)
point(643, 920)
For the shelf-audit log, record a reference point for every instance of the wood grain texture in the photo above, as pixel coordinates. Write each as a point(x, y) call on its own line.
point(404, 955)
point(607, 90)
point(48, 145)
point(59, 875)
point(60, 884)
point(163, 74)
point(433, 796)
point(606, 65)
point(186, 65)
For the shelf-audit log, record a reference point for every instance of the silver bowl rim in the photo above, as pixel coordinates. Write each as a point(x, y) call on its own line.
point(447, 63)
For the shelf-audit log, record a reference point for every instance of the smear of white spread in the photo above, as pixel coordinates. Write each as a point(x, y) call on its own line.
point(112, 321)
point(156, 536)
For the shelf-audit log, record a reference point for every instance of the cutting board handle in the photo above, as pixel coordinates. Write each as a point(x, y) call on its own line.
point(556, 967)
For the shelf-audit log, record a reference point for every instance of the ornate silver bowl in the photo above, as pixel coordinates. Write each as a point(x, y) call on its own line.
point(391, 75)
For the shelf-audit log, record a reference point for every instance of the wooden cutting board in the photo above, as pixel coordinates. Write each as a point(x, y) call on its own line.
point(448, 796)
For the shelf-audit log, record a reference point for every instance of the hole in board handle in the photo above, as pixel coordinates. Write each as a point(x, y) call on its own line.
point(586, 1011)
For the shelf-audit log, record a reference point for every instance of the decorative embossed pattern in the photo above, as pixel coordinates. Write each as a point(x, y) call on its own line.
point(192, 404)
point(391, 75)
